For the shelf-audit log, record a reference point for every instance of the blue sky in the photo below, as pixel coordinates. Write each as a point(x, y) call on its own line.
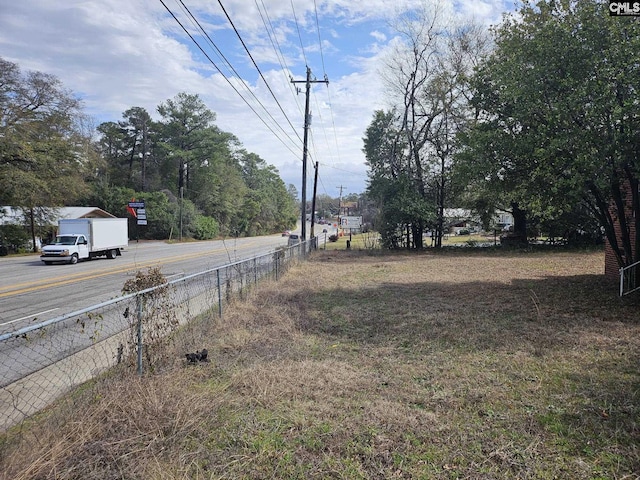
point(117, 54)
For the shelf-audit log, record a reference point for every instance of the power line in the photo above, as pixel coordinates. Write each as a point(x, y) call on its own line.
point(330, 103)
point(273, 38)
point(257, 68)
point(237, 74)
point(315, 7)
point(295, 18)
point(226, 79)
point(269, 28)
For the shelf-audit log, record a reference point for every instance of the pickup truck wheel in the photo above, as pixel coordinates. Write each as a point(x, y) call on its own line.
point(111, 254)
point(74, 259)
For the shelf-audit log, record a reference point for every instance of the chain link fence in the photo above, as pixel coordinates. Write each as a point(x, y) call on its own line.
point(123, 336)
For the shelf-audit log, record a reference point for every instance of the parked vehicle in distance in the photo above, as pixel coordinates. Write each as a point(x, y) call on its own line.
point(86, 238)
point(294, 239)
point(286, 233)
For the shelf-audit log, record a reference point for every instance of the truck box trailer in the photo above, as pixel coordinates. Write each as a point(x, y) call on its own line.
point(87, 238)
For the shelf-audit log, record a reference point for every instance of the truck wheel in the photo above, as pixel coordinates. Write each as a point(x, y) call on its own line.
point(111, 254)
point(74, 259)
point(47, 263)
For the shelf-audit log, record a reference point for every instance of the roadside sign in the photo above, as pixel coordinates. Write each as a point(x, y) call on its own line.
point(137, 204)
point(142, 222)
point(351, 222)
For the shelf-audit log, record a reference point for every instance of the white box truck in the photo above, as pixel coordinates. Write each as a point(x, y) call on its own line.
point(87, 238)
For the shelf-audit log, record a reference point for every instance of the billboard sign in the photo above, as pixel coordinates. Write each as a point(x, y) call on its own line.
point(351, 222)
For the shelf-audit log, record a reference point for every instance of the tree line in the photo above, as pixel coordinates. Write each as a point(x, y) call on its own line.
point(196, 180)
point(539, 117)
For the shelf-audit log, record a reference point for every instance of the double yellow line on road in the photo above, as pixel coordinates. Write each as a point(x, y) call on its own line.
point(42, 284)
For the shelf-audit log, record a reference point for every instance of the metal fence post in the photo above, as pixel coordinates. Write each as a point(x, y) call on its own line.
point(255, 271)
point(140, 309)
point(219, 294)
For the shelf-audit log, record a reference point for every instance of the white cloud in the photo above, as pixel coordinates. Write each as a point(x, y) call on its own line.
point(379, 36)
point(117, 54)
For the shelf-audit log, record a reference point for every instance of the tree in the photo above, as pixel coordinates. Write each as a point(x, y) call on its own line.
point(138, 128)
point(400, 204)
point(199, 159)
point(268, 207)
point(427, 76)
point(293, 192)
point(184, 127)
point(559, 119)
point(196, 165)
point(43, 159)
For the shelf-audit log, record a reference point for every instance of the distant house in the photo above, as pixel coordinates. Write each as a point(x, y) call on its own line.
point(83, 212)
point(457, 219)
point(16, 216)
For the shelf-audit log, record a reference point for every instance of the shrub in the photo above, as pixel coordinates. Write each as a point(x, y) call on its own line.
point(205, 228)
point(14, 237)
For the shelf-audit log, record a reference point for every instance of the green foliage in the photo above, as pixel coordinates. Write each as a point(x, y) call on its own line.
point(205, 228)
point(268, 205)
point(236, 190)
point(163, 215)
point(47, 160)
point(109, 197)
point(402, 209)
point(14, 237)
point(559, 117)
point(402, 204)
point(44, 158)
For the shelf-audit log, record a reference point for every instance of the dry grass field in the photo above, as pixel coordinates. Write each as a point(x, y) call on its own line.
point(357, 365)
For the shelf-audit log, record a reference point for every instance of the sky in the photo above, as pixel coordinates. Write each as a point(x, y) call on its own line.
point(118, 54)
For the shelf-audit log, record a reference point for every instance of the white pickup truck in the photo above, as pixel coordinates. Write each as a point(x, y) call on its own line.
point(87, 238)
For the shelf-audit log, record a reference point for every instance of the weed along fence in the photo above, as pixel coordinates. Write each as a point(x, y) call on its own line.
point(123, 336)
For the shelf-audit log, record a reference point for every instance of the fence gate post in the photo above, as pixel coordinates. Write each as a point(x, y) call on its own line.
point(140, 309)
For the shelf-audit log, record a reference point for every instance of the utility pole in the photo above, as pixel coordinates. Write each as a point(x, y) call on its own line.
point(307, 123)
point(339, 209)
point(340, 201)
point(181, 191)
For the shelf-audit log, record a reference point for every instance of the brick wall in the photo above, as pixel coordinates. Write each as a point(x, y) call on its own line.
point(611, 268)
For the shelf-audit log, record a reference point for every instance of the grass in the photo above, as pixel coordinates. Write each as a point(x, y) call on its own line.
point(363, 365)
point(369, 241)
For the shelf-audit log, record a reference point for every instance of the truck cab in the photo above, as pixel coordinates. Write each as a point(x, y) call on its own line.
point(66, 248)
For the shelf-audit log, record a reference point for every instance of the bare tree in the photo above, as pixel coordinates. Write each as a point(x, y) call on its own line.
point(426, 77)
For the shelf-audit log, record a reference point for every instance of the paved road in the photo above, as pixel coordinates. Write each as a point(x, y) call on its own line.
point(31, 292)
